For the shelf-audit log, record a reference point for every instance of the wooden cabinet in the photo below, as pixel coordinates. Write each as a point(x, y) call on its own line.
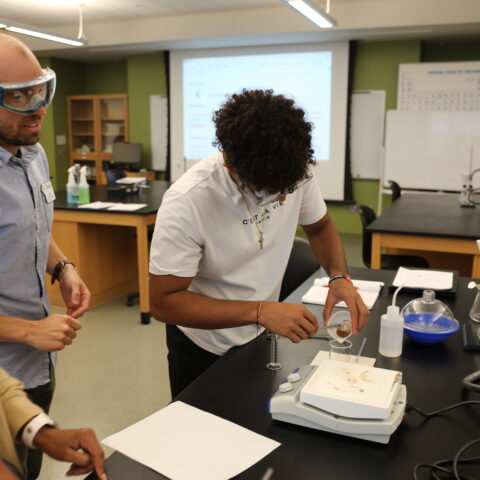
point(95, 122)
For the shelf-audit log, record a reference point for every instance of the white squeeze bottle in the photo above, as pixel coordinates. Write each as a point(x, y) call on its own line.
point(83, 187)
point(391, 330)
point(72, 187)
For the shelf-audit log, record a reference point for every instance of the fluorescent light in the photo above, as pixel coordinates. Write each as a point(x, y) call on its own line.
point(39, 33)
point(315, 15)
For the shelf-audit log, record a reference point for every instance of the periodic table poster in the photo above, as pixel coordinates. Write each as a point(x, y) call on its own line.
point(439, 87)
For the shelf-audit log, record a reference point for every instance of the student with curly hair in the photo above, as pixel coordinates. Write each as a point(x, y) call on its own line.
point(224, 233)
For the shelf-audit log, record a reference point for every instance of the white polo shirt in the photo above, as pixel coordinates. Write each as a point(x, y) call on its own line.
point(205, 231)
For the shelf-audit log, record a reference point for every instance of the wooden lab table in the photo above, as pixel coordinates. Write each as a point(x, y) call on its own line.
point(432, 225)
point(109, 248)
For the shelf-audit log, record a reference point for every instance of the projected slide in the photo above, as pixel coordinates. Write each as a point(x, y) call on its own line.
point(314, 75)
point(306, 77)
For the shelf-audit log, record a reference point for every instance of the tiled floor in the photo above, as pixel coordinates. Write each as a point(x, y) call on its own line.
point(115, 372)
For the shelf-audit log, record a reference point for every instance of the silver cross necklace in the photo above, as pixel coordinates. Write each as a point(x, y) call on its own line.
point(261, 237)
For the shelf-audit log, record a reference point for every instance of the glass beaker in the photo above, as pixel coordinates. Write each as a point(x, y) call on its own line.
point(340, 351)
point(475, 310)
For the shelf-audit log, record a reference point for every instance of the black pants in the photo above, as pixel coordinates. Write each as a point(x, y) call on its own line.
point(42, 396)
point(186, 360)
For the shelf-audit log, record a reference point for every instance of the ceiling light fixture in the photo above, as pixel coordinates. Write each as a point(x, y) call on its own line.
point(23, 29)
point(316, 15)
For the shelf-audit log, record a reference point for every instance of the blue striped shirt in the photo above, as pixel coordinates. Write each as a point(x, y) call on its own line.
point(25, 224)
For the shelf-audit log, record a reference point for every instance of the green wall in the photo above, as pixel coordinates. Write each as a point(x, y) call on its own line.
point(140, 76)
point(451, 51)
point(48, 131)
point(72, 81)
point(103, 78)
point(375, 68)
point(145, 77)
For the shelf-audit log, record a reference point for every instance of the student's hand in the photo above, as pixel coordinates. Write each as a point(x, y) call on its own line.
point(74, 292)
point(288, 320)
point(343, 290)
point(80, 447)
point(52, 333)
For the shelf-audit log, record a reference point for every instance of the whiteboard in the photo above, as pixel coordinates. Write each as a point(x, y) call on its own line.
point(439, 87)
point(367, 119)
point(159, 131)
point(431, 150)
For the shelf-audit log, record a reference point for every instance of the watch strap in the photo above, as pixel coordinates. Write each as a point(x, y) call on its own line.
point(58, 269)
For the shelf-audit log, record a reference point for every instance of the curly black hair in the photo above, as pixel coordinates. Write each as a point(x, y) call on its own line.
point(265, 139)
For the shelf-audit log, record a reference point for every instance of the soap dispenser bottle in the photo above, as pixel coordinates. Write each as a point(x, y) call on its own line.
point(83, 187)
point(72, 187)
point(391, 331)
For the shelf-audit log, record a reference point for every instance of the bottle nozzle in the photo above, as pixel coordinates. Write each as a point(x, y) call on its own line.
point(393, 310)
point(394, 299)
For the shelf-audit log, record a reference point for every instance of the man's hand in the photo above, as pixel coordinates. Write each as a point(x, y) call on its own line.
point(74, 291)
point(80, 447)
point(288, 320)
point(52, 333)
point(343, 290)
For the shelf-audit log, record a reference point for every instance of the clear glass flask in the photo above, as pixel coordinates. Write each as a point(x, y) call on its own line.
point(475, 310)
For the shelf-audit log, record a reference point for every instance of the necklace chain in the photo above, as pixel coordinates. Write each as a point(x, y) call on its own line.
point(261, 237)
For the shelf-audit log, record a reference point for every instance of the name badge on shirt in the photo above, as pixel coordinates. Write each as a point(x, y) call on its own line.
point(47, 190)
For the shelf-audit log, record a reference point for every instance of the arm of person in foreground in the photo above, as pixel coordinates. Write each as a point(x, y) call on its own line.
point(171, 302)
point(327, 247)
point(6, 473)
point(79, 447)
point(74, 292)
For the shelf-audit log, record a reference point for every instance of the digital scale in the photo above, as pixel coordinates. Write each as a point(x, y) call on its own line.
point(345, 398)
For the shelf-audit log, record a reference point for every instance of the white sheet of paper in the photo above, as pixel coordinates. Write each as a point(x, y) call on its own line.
point(131, 180)
point(423, 279)
point(184, 443)
point(127, 207)
point(97, 205)
point(367, 289)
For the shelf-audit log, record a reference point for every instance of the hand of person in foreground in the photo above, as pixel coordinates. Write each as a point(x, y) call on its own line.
point(288, 320)
point(80, 447)
point(343, 290)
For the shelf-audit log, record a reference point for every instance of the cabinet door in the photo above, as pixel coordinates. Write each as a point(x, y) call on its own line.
point(113, 123)
point(82, 128)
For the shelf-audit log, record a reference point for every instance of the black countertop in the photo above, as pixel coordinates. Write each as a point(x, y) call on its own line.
point(429, 214)
point(152, 195)
point(238, 387)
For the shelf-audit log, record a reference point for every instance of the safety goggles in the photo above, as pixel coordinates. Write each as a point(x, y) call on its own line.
point(27, 97)
point(262, 197)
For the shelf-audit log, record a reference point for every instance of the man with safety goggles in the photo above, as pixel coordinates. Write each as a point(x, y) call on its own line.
point(30, 335)
point(224, 233)
point(27, 97)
